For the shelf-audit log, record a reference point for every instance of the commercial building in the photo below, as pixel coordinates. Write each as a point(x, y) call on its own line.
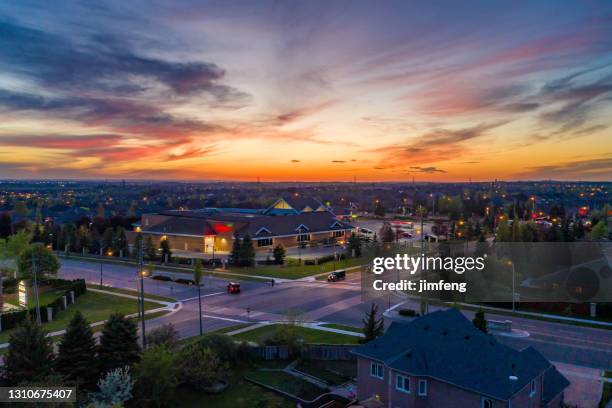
point(290, 222)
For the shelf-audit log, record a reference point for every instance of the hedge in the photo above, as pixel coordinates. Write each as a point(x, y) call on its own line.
point(323, 259)
point(11, 319)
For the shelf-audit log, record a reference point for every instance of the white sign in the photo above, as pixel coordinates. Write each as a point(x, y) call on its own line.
point(23, 294)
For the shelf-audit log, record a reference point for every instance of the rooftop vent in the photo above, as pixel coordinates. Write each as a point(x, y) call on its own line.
point(513, 378)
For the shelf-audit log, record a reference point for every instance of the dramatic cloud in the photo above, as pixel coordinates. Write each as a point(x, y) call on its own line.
point(592, 169)
point(427, 169)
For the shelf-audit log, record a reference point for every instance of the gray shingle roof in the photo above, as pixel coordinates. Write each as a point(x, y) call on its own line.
point(446, 346)
point(182, 226)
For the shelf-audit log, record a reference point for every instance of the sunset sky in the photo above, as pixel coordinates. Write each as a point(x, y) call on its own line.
point(288, 90)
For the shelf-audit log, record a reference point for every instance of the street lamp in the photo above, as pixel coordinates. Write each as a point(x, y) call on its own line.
point(510, 263)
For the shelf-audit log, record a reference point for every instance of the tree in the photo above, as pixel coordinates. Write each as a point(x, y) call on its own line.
point(279, 254)
point(165, 335)
point(76, 358)
point(237, 251)
point(248, 252)
point(479, 321)
point(504, 234)
point(6, 227)
point(108, 240)
point(379, 210)
point(30, 354)
point(121, 242)
point(197, 277)
point(15, 245)
point(482, 247)
point(386, 233)
point(201, 366)
point(354, 246)
point(118, 343)
point(115, 388)
point(149, 248)
point(93, 241)
point(599, 231)
point(373, 326)
point(46, 261)
point(156, 376)
point(164, 245)
point(20, 208)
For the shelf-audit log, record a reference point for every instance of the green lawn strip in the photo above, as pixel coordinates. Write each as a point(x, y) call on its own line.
point(299, 271)
point(239, 394)
point(307, 334)
point(131, 292)
point(606, 395)
point(333, 372)
point(288, 383)
point(223, 330)
point(342, 327)
point(94, 306)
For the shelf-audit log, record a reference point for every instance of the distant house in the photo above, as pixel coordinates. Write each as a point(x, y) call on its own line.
point(441, 360)
point(289, 222)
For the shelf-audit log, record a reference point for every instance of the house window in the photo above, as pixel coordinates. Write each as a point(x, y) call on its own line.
point(303, 237)
point(376, 370)
point(486, 403)
point(338, 234)
point(264, 242)
point(402, 383)
point(532, 391)
point(422, 388)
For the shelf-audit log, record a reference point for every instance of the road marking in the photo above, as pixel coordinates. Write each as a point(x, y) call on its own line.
point(204, 296)
point(227, 319)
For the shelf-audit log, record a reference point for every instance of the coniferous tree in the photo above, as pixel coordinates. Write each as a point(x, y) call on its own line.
point(237, 251)
point(76, 358)
point(354, 246)
point(108, 239)
point(373, 326)
point(248, 252)
point(479, 321)
point(30, 355)
point(118, 343)
point(5, 225)
point(164, 245)
point(121, 241)
point(279, 254)
point(149, 248)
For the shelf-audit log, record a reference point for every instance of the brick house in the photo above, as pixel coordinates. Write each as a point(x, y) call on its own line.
point(441, 360)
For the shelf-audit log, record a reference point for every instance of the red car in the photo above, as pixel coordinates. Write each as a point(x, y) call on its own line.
point(233, 287)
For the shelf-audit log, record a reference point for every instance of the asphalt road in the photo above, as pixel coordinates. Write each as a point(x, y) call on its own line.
point(579, 352)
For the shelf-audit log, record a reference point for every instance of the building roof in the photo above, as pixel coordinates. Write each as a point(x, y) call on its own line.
point(294, 204)
point(292, 224)
point(446, 346)
point(182, 226)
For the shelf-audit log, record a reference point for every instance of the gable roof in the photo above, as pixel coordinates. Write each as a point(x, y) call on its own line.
point(181, 226)
point(446, 346)
point(297, 204)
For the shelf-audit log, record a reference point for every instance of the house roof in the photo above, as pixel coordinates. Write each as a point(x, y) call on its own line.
point(182, 226)
point(297, 204)
point(554, 384)
point(446, 346)
point(289, 224)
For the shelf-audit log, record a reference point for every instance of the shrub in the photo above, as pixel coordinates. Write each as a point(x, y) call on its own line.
point(165, 335)
point(223, 345)
point(201, 366)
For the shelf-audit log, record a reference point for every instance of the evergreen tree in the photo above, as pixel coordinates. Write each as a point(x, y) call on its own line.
point(76, 358)
point(164, 245)
point(121, 241)
point(279, 254)
point(150, 250)
point(386, 233)
point(118, 343)
point(479, 321)
point(354, 246)
point(93, 241)
point(30, 355)
point(379, 210)
point(237, 251)
point(108, 239)
point(248, 252)
point(6, 227)
point(156, 376)
point(373, 326)
point(503, 232)
point(599, 231)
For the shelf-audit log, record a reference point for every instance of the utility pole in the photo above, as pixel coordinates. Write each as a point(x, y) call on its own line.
point(101, 276)
point(38, 319)
point(142, 308)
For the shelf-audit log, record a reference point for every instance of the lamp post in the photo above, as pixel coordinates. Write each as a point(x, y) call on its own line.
point(513, 285)
point(38, 319)
point(142, 308)
point(101, 275)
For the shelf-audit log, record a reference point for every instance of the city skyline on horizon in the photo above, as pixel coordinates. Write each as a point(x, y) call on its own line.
point(306, 92)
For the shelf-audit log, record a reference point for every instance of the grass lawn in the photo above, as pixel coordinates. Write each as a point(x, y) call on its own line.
point(606, 395)
point(307, 334)
point(223, 330)
point(298, 271)
point(131, 292)
point(94, 306)
point(288, 383)
point(240, 394)
point(333, 372)
point(343, 327)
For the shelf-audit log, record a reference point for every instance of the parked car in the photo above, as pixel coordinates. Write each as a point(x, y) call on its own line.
point(185, 281)
point(233, 288)
point(161, 278)
point(336, 276)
